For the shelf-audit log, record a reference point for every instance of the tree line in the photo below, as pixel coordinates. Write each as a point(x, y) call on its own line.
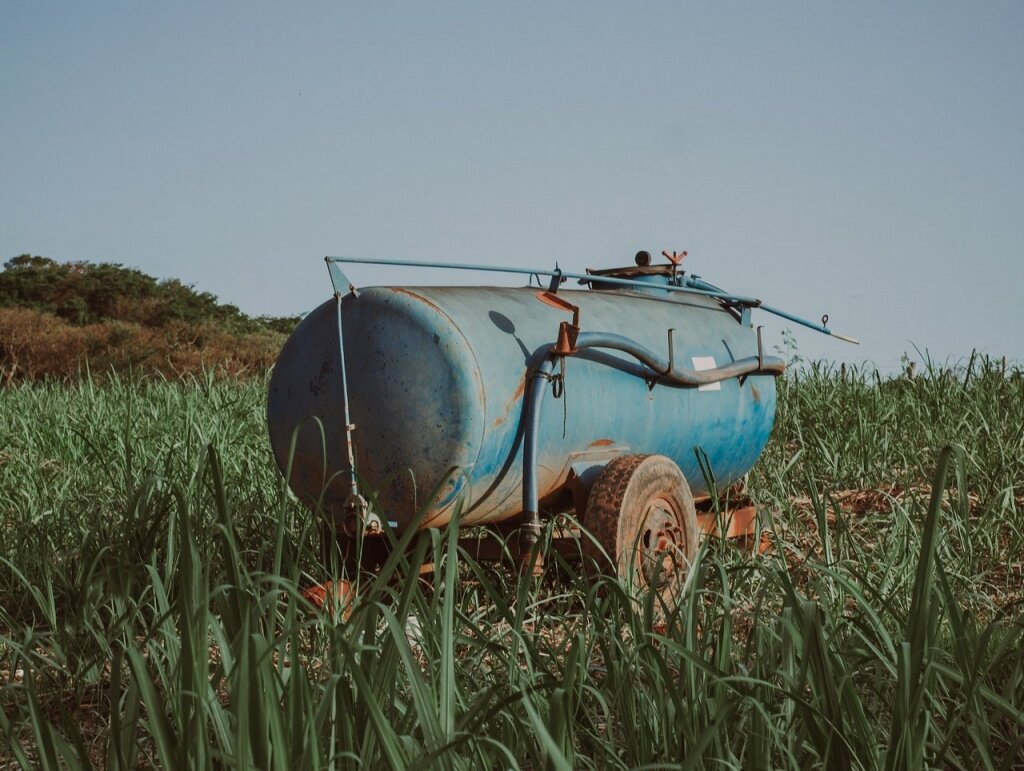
point(58, 319)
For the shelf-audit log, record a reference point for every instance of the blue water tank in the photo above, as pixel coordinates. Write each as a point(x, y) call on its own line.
point(437, 378)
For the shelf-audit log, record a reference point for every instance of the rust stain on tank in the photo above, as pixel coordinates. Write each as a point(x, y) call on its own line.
point(602, 443)
point(422, 299)
point(755, 393)
point(517, 395)
point(512, 402)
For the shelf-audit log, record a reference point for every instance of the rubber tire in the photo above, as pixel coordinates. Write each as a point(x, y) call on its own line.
point(631, 493)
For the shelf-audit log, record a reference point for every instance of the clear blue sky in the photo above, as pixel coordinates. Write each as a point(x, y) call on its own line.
point(864, 160)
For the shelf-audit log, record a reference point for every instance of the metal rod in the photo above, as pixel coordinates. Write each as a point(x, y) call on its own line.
point(586, 277)
point(809, 324)
point(699, 287)
point(699, 283)
point(349, 427)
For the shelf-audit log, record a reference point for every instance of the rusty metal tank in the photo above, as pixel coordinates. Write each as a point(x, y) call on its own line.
point(483, 399)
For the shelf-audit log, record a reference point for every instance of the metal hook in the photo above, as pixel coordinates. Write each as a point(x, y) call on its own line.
point(671, 353)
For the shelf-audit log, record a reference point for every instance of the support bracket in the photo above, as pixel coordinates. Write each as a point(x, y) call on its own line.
point(339, 280)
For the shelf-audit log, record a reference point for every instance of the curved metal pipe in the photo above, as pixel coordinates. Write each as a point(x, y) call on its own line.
point(665, 368)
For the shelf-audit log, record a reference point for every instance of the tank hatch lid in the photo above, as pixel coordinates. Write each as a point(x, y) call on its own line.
point(632, 271)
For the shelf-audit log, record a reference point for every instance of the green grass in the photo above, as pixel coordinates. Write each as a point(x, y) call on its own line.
point(150, 614)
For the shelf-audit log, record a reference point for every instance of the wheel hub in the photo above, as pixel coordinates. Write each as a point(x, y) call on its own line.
point(662, 544)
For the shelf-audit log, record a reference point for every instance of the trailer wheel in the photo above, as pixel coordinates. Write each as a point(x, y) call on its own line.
point(641, 512)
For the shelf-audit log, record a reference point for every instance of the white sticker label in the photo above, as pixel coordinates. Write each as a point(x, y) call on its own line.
point(701, 363)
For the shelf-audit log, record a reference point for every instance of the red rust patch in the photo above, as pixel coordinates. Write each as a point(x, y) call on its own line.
point(513, 400)
point(602, 443)
point(755, 393)
point(516, 397)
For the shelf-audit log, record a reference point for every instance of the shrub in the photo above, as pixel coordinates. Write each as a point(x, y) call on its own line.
point(56, 319)
point(35, 345)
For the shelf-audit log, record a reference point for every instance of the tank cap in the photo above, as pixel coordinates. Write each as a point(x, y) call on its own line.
point(643, 258)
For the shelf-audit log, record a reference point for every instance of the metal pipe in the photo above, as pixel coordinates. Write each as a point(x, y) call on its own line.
point(696, 285)
point(349, 428)
point(699, 283)
point(752, 365)
point(530, 530)
point(809, 324)
point(585, 277)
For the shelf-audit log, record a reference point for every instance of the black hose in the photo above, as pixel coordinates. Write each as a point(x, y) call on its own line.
point(752, 365)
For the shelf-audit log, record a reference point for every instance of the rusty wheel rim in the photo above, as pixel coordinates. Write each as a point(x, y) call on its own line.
point(661, 547)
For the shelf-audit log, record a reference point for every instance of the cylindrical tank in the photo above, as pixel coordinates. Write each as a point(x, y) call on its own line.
point(436, 381)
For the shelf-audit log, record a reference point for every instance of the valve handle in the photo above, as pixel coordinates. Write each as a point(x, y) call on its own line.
point(567, 332)
point(674, 257)
point(552, 299)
